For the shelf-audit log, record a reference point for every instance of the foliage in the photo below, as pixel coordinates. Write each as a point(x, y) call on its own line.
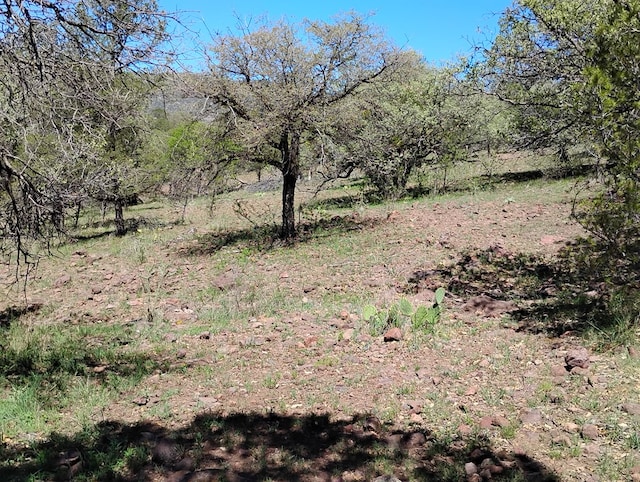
point(423, 318)
point(274, 82)
point(70, 98)
point(569, 69)
point(612, 74)
point(395, 127)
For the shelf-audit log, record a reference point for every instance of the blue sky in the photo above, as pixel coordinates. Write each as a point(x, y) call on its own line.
point(439, 29)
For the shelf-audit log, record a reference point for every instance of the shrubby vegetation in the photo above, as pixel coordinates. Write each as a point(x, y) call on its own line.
point(334, 99)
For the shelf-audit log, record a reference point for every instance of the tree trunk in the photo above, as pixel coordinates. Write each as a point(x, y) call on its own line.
point(290, 149)
point(121, 228)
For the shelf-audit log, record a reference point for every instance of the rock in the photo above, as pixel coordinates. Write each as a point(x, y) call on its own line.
point(470, 468)
point(558, 371)
point(464, 429)
point(531, 417)
point(386, 478)
point(205, 335)
point(171, 337)
point(500, 421)
point(578, 357)
point(589, 431)
point(474, 478)
point(416, 439)
point(489, 306)
point(436, 380)
point(631, 408)
point(181, 354)
point(165, 452)
point(633, 352)
point(61, 281)
point(486, 422)
point(635, 477)
point(394, 334)
point(348, 334)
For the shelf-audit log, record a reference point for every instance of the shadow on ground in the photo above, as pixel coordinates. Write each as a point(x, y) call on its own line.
point(11, 313)
point(570, 292)
point(266, 237)
point(255, 447)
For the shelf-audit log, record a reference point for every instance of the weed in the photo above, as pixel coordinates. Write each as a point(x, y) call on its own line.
point(271, 381)
point(422, 318)
point(508, 431)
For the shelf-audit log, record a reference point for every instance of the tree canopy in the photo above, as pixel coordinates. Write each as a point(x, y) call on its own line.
point(67, 98)
point(276, 82)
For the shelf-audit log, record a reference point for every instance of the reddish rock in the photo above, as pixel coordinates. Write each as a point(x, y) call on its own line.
point(631, 408)
point(589, 431)
point(558, 371)
point(578, 357)
point(486, 422)
point(394, 334)
point(470, 468)
point(500, 421)
point(464, 429)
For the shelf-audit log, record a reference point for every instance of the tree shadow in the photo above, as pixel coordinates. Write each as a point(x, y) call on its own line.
point(257, 446)
point(550, 296)
point(107, 228)
point(490, 181)
point(12, 313)
point(266, 237)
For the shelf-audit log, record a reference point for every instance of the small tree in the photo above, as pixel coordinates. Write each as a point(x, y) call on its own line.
point(64, 95)
point(275, 82)
point(396, 127)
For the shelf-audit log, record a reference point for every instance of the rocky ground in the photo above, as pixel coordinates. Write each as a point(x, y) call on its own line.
point(268, 370)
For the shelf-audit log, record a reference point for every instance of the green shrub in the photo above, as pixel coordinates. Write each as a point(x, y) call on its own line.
point(401, 313)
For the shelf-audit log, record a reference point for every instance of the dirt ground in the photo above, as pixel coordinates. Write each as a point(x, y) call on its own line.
point(271, 341)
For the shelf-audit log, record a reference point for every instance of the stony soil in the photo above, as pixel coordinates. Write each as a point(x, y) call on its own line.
point(297, 366)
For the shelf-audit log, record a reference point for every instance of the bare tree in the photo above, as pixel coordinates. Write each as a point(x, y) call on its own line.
point(67, 71)
point(276, 82)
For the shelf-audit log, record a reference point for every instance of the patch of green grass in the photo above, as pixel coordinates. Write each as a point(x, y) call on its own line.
point(48, 371)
